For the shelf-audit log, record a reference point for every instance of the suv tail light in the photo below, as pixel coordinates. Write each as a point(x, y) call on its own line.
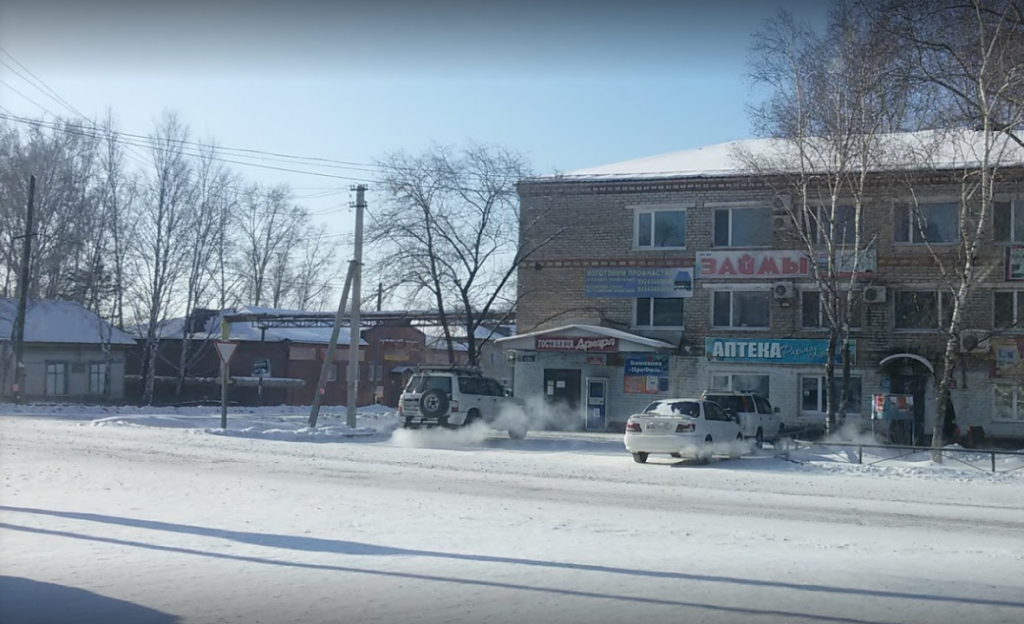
point(633, 426)
point(455, 405)
point(685, 428)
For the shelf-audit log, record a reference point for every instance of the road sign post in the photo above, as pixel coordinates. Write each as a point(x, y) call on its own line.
point(225, 349)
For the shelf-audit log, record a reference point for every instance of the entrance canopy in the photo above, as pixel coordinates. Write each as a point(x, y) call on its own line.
point(908, 356)
point(584, 339)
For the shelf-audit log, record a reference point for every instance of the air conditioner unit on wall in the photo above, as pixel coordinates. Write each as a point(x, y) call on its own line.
point(781, 223)
point(974, 341)
point(783, 290)
point(874, 294)
point(782, 201)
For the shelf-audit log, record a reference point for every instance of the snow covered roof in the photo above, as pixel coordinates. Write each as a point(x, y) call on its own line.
point(576, 329)
point(927, 150)
point(246, 331)
point(59, 322)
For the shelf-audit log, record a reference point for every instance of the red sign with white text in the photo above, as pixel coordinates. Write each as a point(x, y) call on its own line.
point(752, 264)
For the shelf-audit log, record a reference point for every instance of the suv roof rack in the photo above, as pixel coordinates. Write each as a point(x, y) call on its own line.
point(460, 368)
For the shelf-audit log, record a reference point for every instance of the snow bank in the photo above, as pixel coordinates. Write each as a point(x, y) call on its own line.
point(280, 422)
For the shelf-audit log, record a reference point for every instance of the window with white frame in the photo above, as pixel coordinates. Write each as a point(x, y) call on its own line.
point(741, 308)
point(819, 225)
point(662, 228)
point(743, 227)
point(922, 309)
point(56, 379)
point(654, 312)
point(1008, 309)
point(1009, 402)
point(97, 377)
point(1008, 221)
point(741, 382)
point(927, 223)
point(814, 394)
point(332, 373)
point(812, 310)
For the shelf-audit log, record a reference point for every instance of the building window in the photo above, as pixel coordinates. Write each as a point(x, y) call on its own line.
point(97, 377)
point(814, 395)
point(659, 312)
point(332, 373)
point(1008, 309)
point(1008, 222)
point(741, 383)
point(923, 309)
point(738, 308)
point(660, 229)
point(56, 378)
point(819, 221)
point(927, 223)
point(1009, 403)
point(812, 310)
point(743, 227)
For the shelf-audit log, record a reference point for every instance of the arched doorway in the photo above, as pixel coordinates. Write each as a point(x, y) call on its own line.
point(913, 375)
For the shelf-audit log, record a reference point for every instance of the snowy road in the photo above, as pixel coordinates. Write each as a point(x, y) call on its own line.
point(143, 524)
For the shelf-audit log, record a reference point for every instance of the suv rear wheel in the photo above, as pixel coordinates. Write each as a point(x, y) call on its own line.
point(434, 403)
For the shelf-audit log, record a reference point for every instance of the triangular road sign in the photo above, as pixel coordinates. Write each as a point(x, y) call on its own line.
point(225, 349)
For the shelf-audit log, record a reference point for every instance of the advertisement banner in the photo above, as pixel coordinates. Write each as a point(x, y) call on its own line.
point(768, 264)
point(644, 384)
point(769, 351)
point(892, 407)
point(632, 283)
point(582, 344)
point(646, 365)
point(1008, 358)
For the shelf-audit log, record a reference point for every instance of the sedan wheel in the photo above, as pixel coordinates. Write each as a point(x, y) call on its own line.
point(706, 452)
point(736, 451)
point(640, 458)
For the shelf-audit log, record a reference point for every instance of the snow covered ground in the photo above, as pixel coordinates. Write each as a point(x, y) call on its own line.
point(157, 516)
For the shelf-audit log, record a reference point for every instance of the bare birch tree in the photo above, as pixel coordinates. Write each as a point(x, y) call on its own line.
point(267, 223)
point(162, 235)
point(968, 55)
point(832, 104)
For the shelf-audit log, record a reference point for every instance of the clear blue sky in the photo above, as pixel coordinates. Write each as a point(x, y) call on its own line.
point(569, 84)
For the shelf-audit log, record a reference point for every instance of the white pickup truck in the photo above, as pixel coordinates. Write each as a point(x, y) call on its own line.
point(758, 419)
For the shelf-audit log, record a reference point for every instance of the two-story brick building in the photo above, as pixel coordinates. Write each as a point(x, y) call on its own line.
point(676, 273)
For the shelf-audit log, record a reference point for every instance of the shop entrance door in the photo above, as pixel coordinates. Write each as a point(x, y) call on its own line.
point(562, 394)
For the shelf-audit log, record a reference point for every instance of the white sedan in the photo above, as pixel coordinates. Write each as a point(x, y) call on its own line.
point(678, 426)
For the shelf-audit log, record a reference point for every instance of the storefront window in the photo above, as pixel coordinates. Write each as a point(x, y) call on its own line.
point(1009, 403)
point(814, 394)
point(741, 383)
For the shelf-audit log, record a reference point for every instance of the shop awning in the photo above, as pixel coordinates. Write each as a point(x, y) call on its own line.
point(908, 356)
point(584, 338)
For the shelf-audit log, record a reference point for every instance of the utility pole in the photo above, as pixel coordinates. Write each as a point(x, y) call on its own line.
point(19, 328)
point(353, 326)
point(331, 346)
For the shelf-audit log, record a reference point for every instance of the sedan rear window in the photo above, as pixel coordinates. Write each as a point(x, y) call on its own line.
point(674, 408)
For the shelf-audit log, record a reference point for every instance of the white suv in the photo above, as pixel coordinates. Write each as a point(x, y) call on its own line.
point(758, 419)
point(459, 397)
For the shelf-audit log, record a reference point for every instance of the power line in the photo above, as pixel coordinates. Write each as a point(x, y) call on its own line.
point(151, 144)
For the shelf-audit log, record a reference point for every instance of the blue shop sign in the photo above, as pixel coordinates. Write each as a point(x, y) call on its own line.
point(769, 351)
point(647, 365)
point(631, 283)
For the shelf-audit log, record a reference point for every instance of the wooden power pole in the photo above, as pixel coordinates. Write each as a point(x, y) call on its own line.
point(353, 326)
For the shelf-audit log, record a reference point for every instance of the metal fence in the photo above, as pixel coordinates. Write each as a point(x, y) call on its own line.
point(967, 457)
